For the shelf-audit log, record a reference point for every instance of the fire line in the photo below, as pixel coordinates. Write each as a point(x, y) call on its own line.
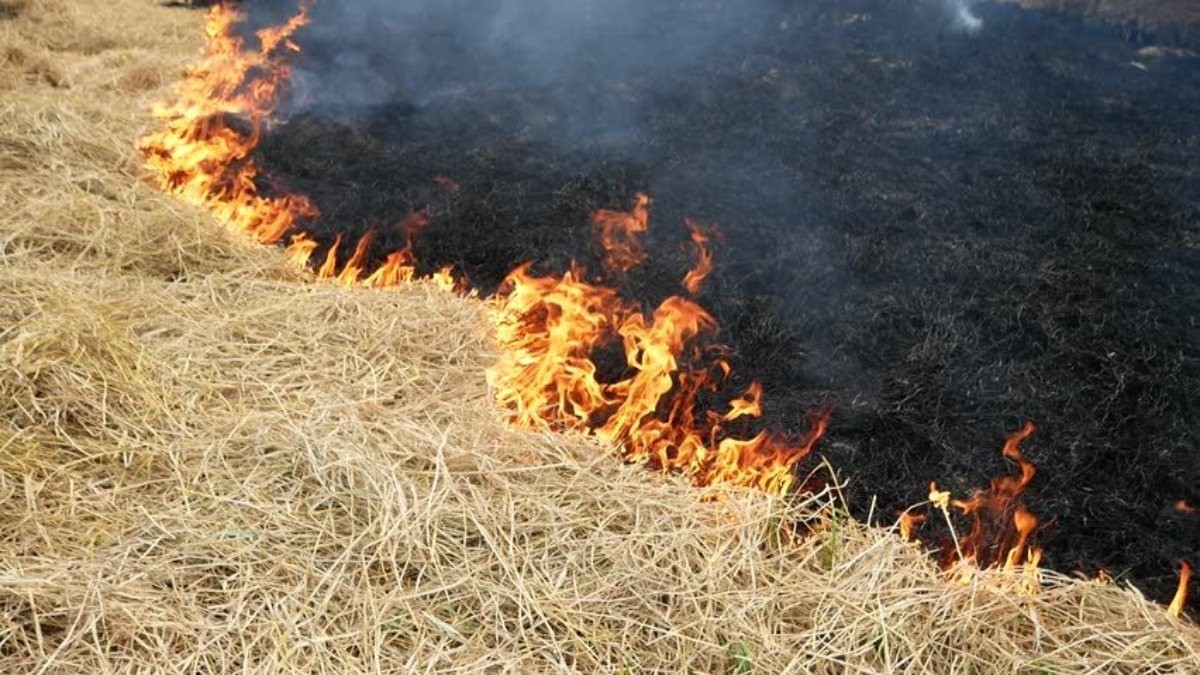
point(549, 328)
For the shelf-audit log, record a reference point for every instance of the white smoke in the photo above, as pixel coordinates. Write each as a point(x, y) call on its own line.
point(964, 18)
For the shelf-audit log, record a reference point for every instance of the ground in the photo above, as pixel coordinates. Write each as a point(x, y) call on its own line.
point(211, 462)
point(941, 234)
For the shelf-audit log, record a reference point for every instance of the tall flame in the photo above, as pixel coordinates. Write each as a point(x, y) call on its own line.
point(202, 155)
point(550, 331)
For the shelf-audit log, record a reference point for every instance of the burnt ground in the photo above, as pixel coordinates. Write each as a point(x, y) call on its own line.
point(938, 234)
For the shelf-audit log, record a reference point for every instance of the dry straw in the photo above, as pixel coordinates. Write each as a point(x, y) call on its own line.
point(208, 464)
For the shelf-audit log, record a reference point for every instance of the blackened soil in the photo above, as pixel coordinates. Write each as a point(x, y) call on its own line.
point(940, 235)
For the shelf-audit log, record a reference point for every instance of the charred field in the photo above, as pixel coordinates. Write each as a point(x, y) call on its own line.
point(937, 233)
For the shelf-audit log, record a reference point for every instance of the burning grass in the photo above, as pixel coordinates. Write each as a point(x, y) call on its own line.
point(209, 463)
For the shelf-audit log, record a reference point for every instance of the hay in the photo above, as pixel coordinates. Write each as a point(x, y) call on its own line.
point(208, 464)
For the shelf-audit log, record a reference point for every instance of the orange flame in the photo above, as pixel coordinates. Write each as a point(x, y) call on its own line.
point(695, 277)
point(907, 522)
point(549, 328)
point(549, 331)
point(1182, 506)
point(1000, 525)
point(301, 249)
point(203, 154)
point(1181, 593)
point(619, 234)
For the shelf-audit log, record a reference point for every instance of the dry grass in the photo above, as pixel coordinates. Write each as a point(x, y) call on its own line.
point(208, 464)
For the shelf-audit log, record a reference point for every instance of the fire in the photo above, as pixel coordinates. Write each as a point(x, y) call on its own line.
point(695, 277)
point(1000, 525)
point(203, 154)
point(1181, 593)
point(551, 330)
point(907, 522)
point(619, 234)
point(1182, 506)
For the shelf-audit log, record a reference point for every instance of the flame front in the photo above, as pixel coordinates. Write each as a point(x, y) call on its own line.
point(203, 154)
point(550, 330)
point(553, 331)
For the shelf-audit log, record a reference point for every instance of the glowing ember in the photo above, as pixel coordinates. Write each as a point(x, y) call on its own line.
point(1181, 593)
point(1183, 507)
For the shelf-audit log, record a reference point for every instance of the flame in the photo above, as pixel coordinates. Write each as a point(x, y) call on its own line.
point(301, 249)
point(619, 234)
point(202, 156)
point(939, 498)
point(1000, 526)
point(203, 153)
point(1181, 593)
point(907, 522)
point(550, 331)
point(328, 269)
point(694, 280)
point(1182, 506)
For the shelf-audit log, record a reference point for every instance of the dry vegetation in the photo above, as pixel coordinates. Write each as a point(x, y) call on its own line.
point(209, 464)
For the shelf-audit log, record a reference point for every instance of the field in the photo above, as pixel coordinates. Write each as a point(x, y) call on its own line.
point(210, 462)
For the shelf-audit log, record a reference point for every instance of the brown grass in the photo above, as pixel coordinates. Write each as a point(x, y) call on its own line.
point(209, 463)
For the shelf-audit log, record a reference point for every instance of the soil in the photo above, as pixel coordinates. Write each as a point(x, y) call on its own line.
point(940, 235)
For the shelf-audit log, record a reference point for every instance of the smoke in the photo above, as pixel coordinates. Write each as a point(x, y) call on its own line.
point(963, 18)
point(579, 61)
